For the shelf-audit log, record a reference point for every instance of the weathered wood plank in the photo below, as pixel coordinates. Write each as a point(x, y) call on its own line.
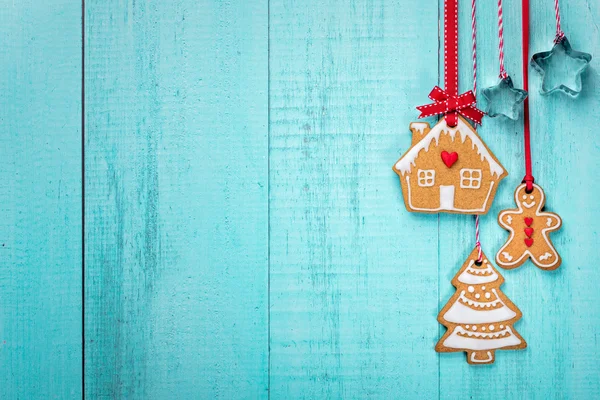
point(176, 212)
point(559, 313)
point(353, 275)
point(40, 200)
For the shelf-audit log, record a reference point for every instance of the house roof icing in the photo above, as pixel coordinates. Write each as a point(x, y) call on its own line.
point(405, 163)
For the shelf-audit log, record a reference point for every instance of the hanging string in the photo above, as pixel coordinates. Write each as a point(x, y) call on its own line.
point(477, 242)
point(559, 33)
point(474, 48)
point(503, 73)
point(474, 53)
point(528, 179)
point(447, 101)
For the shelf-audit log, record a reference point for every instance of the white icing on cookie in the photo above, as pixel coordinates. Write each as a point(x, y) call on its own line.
point(552, 223)
point(528, 205)
point(481, 341)
point(476, 360)
point(476, 276)
point(447, 199)
point(419, 126)
point(405, 164)
point(460, 313)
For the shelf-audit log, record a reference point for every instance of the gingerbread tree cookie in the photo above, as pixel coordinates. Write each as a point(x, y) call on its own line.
point(479, 317)
point(529, 227)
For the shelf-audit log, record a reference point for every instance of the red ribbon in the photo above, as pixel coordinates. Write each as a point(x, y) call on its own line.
point(449, 102)
point(451, 106)
point(528, 179)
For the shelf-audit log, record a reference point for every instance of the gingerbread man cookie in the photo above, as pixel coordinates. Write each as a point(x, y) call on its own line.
point(529, 227)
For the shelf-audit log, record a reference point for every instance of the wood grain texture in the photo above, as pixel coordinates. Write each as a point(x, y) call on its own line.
point(40, 200)
point(559, 312)
point(176, 199)
point(353, 275)
point(245, 234)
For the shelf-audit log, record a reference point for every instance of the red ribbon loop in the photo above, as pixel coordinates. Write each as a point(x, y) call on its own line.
point(451, 106)
point(528, 179)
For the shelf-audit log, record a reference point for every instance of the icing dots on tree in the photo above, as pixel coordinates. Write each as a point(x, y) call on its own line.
point(479, 318)
point(529, 229)
point(448, 169)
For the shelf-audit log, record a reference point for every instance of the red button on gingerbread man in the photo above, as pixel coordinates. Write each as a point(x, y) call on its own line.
point(529, 227)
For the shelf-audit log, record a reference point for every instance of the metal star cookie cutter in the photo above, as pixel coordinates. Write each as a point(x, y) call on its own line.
point(503, 99)
point(561, 68)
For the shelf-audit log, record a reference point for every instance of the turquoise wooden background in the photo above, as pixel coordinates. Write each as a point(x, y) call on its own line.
point(216, 216)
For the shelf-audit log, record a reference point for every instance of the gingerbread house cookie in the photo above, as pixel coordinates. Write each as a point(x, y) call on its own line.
point(448, 169)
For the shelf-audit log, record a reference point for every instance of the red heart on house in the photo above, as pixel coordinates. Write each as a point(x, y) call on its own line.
point(449, 158)
point(528, 242)
point(529, 231)
point(528, 221)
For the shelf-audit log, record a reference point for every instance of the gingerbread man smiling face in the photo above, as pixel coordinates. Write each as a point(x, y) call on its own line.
point(533, 199)
point(529, 227)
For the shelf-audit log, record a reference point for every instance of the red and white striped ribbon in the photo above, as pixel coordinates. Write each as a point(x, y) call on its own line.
point(503, 73)
point(474, 47)
point(474, 51)
point(477, 242)
point(559, 33)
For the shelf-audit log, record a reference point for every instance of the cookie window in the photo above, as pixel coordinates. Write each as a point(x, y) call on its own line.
point(426, 177)
point(470, 178)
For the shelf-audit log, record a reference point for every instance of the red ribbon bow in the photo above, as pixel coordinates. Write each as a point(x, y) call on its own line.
point(451, 106)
